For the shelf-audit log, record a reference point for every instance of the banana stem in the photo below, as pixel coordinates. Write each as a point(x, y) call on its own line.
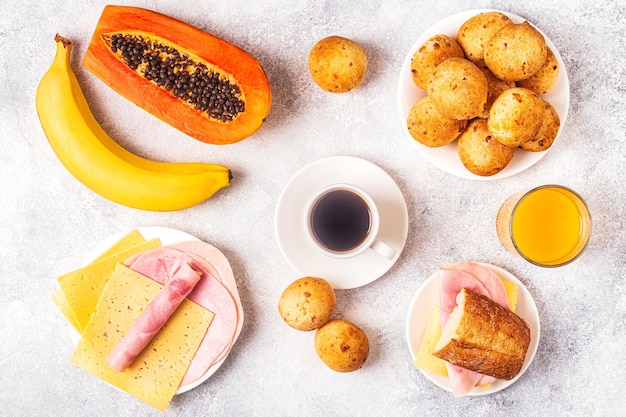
point(58, 38)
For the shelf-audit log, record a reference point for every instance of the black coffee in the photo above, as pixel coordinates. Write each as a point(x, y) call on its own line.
point(340, 220)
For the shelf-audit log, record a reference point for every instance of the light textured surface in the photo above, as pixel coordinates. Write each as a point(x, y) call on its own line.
point(50, 222)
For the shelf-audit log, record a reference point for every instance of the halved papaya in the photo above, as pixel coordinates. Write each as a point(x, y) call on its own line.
point(202, 85)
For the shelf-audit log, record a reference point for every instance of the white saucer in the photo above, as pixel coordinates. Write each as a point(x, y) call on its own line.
point(305, 257)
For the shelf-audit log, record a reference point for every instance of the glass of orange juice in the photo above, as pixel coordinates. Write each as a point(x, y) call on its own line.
point(549, 225)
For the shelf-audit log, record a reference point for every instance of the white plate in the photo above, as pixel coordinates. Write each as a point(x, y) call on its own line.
point(446, 157)
point(307, 259)
point(167, 236)
point(423, 304)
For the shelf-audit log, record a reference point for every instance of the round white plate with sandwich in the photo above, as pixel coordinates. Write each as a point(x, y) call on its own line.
point(426, 300)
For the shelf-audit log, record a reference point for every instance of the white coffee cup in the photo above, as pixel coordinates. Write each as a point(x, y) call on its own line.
point(342, 221)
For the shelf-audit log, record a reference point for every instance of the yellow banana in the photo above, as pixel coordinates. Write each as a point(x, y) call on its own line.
point(104, 166)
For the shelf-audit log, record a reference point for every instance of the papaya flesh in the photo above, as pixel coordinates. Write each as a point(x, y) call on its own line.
point(199, 83)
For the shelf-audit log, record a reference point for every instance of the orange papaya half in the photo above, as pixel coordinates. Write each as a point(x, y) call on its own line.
point(199, 83)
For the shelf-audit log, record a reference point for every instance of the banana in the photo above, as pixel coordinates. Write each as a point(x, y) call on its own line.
point(100, 163)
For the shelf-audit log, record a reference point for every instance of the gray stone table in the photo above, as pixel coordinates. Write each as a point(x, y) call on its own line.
point(49, 222)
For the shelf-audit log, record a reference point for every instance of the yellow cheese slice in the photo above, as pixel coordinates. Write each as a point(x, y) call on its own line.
point(82, 287)
point(155, 375)
point(425, 360)
point(59, 299)
point(511, 293)
point(129, 240)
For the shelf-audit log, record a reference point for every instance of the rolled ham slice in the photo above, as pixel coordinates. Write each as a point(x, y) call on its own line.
point(181, 280)
point(209, 293)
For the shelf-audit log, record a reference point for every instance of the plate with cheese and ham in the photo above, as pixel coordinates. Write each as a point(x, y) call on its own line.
point(154, 313)
point(472, 328)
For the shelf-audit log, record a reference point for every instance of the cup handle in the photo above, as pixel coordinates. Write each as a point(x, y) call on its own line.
point(383, 249)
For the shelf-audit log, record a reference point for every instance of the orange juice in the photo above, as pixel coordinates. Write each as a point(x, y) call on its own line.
point(549, 225)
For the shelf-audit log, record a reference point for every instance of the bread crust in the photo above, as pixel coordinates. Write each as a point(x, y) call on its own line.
point(516, 116)
point(342, 345)
point(458, 89)
point(475, 32)
point(430, 54)
point(480, 152)
point(547, 133)
point(544, 79)
point(495, 87)
point(307, 303)
point(431, 128)
point(483, 336)
point(337, 64)
point(516, 52)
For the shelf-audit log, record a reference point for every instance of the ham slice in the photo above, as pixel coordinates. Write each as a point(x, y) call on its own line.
point(210, 293)
point(181, 279)
point(451, 281)
point(218, 341)
point(218, 261)
point(217, 264)
point(462, 380)
point(490, 280)
point(219, 267)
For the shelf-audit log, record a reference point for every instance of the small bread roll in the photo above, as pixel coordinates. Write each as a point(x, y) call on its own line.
point(495, 85)
point(337, 64)
point(480, 152)
point(476, 31)
point(547, 132)
point(432, 53)
point(542, 81)
point(516, 52)
point(342, 345)
point(515, 116)
point(458, 89)
point(307, 303)
point(431, 128)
